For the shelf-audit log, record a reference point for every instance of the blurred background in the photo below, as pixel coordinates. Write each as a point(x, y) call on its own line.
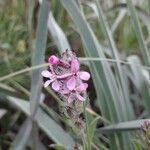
point(115, 26)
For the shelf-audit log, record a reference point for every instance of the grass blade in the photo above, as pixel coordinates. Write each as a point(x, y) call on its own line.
point(139, 34)
point(124, 98)
point(36, 79)
point(124, 126)
point(2, 112)
point(118, 20)
point(57, 34)
point(37, 59)
point(48, 125)
point(102, 75)
point(38, 56)
point(141, 81)
point(22, 137)
point(90, 42)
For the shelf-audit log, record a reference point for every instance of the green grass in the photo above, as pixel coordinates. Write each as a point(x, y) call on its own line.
point(113, 41)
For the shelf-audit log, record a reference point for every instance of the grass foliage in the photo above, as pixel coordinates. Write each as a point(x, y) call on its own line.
point(112, 41)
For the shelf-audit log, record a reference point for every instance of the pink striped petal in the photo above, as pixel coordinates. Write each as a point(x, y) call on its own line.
point(46, 73)
point(55, 85)
point(71, 83)
point(75, 65)
point(84, 75)
point(80, 97)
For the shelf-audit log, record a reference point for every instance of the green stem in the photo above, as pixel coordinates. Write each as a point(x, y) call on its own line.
point(86, 141)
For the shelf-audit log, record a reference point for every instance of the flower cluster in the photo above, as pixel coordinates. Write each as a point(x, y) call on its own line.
point(145, 136)
point(145, 126)
point(65, 77)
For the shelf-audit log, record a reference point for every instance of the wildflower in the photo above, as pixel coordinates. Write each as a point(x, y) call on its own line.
point(83, 75)
point(65, 77)
point(67, 80)
point(146, 129)
point(77, 93)
point(145, 136)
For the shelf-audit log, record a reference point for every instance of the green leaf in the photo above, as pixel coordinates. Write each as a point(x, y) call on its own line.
point(6, 87)
point(38, 59)
point(48, 125)
point(123, 126)
point(137, 145)
point(2, 112)
point(22, 137)
point(36, 79)
point(136, 24)
point(93, 50)
point(141, 79)
point(92, 128)
point(38, 56)
point(124, 99)
point(57, 34)
point(57, 147)
point(108, 92)
point(20, 140)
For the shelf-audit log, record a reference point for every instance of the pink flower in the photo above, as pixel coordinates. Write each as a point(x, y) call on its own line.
point(53, 60)
point(65, 77)
point(78, 93)
point(83, 75)
point(145, 126)
point(52, 79)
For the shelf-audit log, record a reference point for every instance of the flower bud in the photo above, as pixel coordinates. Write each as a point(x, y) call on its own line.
point(53, 60)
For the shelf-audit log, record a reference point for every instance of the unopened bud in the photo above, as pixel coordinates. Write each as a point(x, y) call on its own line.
point(53, 60)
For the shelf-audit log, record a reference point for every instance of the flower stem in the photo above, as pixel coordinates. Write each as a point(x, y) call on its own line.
point(86, 141)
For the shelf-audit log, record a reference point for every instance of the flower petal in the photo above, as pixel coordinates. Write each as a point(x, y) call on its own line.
point(71, 83)
point(75, 65)
point(84, 75)
point(64, 76)
point(46, 73)
point(47, 83)
point(56, 85)
point(65, 91)
point(80, 97)
point(70, 99)
point(82, 87)
point(85, 86)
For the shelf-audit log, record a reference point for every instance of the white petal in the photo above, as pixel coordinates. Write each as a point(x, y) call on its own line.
point(80, 97)
point(47, 83)
point(84, 75)
point(56, 85)
point(46, 74)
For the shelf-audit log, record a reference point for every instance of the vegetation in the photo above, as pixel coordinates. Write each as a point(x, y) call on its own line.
point(111, 40)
